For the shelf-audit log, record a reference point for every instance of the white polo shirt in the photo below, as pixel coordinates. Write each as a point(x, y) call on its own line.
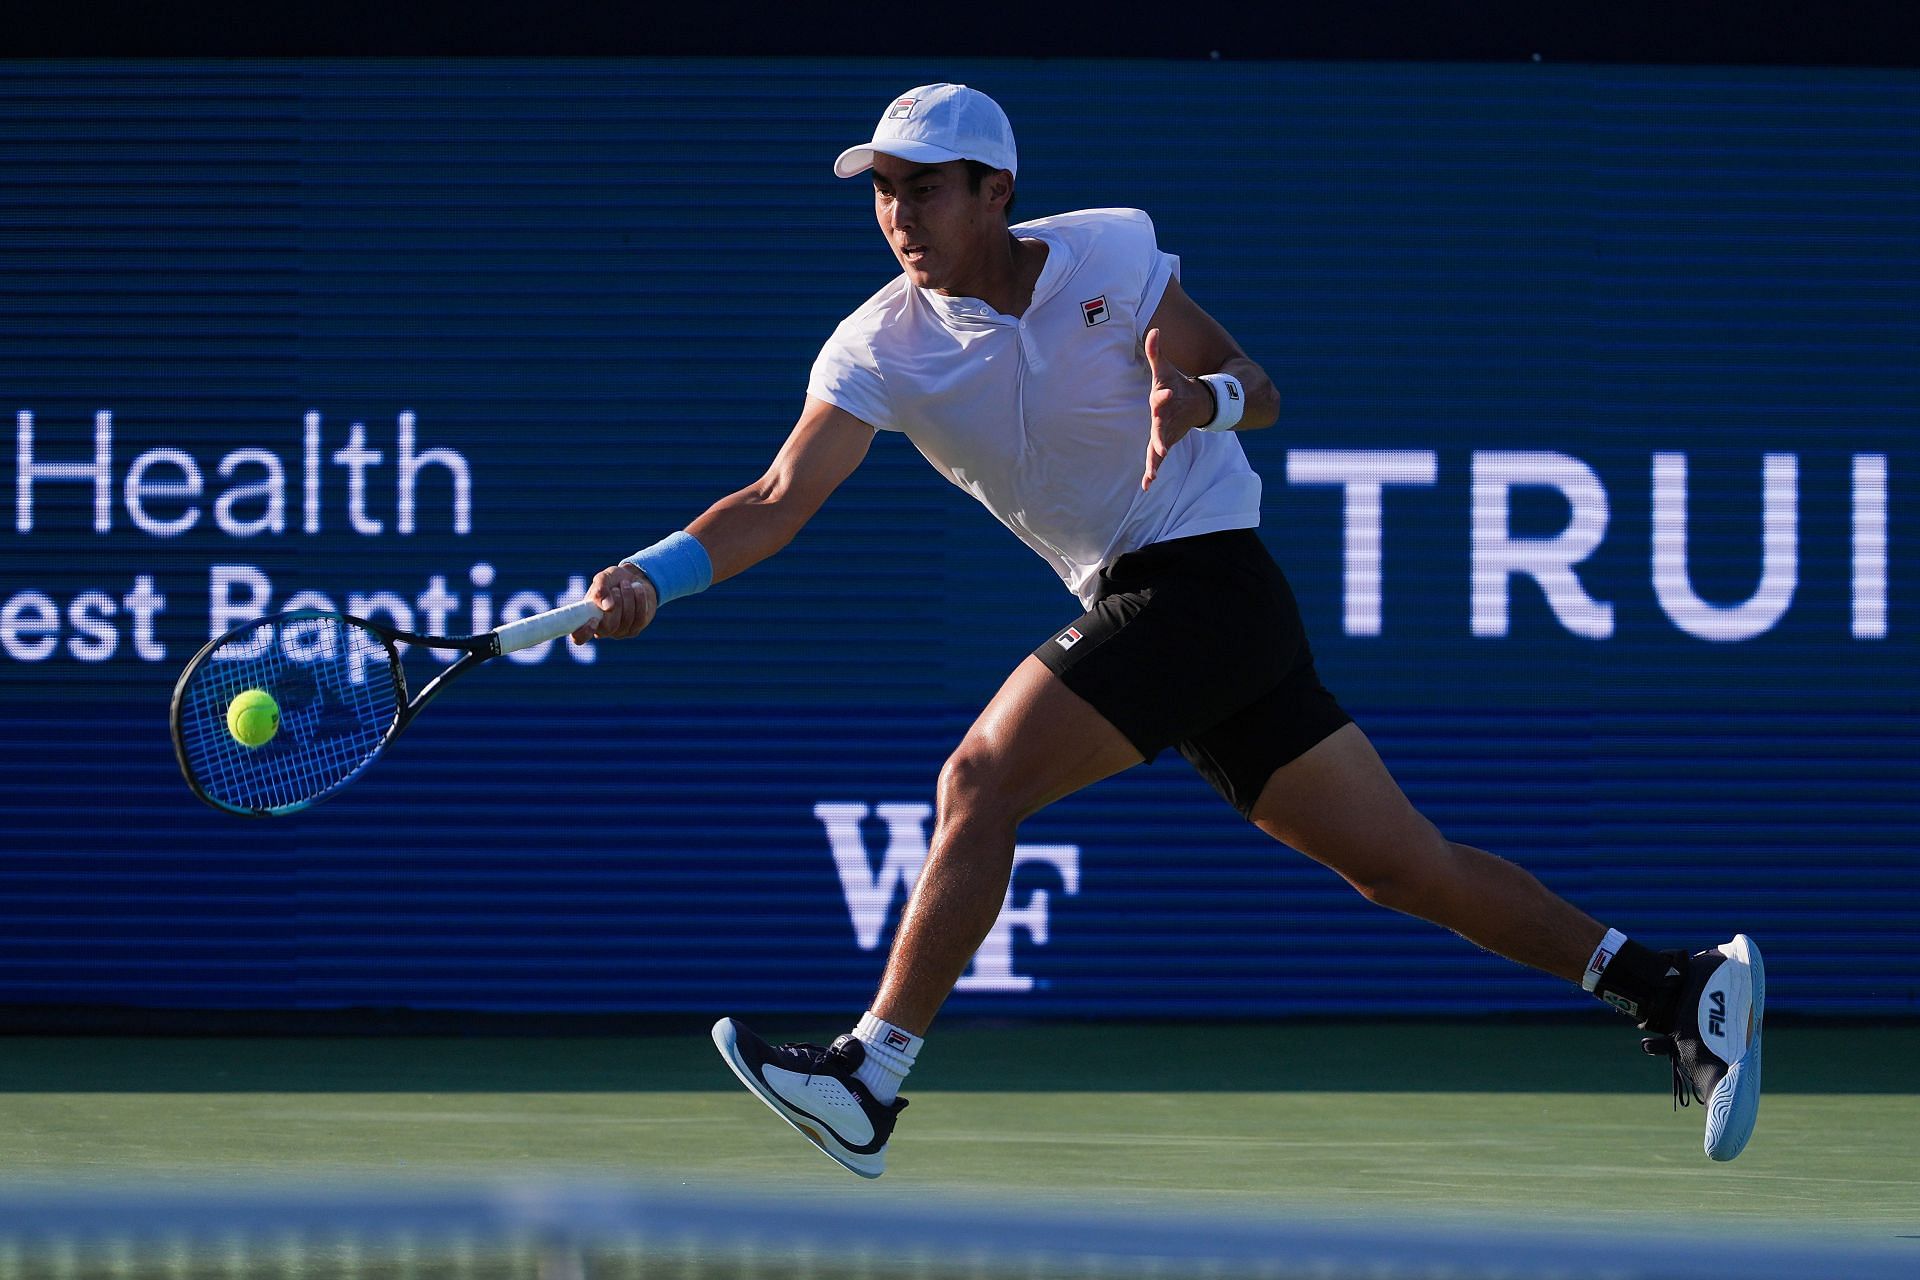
point(1044, 418)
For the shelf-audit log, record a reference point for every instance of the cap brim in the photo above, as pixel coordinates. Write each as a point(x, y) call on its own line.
point(855, 161)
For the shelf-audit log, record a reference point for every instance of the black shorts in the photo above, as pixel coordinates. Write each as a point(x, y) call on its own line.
point(1196, 643)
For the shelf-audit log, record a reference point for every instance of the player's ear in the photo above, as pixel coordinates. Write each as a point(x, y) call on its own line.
point(1000, 188)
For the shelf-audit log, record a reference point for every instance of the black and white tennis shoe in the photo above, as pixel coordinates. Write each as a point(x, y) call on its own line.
point(813, 1089)
point(1715, 1043)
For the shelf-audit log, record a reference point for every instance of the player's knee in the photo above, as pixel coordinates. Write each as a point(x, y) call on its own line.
point(973, 788)
point(1408, 881)
point(1387, 889)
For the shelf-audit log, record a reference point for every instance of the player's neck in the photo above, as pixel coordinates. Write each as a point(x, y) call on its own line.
point(1006, 275)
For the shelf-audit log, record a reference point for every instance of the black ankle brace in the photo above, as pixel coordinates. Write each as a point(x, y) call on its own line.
point(1645, 985)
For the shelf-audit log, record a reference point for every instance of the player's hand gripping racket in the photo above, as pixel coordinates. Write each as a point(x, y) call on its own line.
point(282, 712)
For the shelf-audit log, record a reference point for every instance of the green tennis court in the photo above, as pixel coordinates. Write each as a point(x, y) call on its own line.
point(1563, 1123)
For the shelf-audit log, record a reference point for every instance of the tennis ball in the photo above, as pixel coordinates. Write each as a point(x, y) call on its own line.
point(253, 718)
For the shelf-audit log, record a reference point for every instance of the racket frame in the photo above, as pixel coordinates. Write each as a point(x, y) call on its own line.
point(474, 650)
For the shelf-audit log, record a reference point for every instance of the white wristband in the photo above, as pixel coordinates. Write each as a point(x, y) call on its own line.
point(1229, 401)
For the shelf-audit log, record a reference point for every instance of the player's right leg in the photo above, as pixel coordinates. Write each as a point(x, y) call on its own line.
point(817, 1091)
point(1178, 633)
point(1035, 742)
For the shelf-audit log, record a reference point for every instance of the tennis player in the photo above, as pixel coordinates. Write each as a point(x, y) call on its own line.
point(1057, 371)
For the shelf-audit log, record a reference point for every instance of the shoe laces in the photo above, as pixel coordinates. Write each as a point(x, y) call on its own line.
point(1653, 1047)
point(823, 1060)
point(816, 1057)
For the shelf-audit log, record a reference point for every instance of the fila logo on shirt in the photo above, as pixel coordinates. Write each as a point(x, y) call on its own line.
point(901, 109)
point(1095, 310)
point(1068, 638)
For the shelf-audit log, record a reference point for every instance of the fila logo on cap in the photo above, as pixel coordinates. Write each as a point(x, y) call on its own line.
point(1095, 310)
point(1068, 638)
point(901, 109)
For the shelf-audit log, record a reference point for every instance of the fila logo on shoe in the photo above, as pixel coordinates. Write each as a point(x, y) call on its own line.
point(1720, 1002)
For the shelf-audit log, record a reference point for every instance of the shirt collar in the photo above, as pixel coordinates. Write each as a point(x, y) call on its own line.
point(972, 311)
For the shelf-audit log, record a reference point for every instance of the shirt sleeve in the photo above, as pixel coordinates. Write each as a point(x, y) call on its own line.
point(1161, 269)
point(846, 376)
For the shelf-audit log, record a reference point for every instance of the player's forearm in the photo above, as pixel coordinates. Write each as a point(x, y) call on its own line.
point(744, 528)
point(1263, 398)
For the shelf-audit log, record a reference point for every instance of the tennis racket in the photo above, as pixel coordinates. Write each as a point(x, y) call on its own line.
point(341, 694)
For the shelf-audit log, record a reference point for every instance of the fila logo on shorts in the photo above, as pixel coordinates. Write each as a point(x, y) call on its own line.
point(1095, 310)
point(1068, 638)
point(901, 109)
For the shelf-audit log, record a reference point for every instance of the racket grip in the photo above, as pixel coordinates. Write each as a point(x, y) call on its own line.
point(542, 627)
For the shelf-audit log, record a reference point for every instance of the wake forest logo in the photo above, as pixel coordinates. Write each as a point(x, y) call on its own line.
point(901, 109)
point(1095, 310)
point(874, 885)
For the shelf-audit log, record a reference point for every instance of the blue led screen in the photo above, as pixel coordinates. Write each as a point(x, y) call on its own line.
point(1594, 478)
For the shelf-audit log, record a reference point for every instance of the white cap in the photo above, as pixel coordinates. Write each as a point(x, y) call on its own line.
point(937, 123)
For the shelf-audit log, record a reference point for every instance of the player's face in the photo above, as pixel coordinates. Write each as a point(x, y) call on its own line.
point(939, 228)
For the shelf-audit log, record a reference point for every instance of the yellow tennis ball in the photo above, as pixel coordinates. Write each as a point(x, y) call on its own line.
point(253, 718)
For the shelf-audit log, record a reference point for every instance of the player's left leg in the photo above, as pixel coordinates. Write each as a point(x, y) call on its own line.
point(1337, 804)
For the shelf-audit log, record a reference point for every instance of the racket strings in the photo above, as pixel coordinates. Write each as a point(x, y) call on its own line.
point(335, 686)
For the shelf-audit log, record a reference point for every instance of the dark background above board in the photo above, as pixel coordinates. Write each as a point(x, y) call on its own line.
point(1875, 33)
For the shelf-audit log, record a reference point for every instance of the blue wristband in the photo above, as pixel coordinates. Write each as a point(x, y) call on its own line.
point(677, 565)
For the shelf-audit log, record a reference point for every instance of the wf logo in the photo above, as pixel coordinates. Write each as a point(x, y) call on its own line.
point(871, 890)
point(1717, 1016)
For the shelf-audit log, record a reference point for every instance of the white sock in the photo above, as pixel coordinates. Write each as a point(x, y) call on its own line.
point(890, 1055)
point(1602, 957)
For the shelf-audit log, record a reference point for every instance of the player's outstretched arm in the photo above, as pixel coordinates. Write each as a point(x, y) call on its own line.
point(1184, 343)
point(746, 527)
